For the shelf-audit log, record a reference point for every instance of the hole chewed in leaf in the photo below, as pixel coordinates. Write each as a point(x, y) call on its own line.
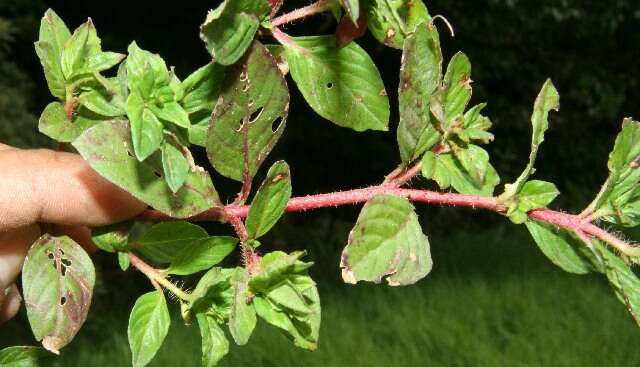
point(276, 124)
point(329, 85)
point(256, 114)
point(63, 300)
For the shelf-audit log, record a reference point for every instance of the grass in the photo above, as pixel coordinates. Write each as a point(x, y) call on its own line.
point(491, 300)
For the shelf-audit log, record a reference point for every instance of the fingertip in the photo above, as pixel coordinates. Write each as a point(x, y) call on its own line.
point(10, 303)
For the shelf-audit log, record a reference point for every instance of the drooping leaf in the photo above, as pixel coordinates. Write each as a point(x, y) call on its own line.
point(270, 201)
point(201, 255)
point(162, 242)
point(533, 195)
point(561, 247)
point(107, 148)
point(174, 164)
point(229, 29)
point(57, 278)
point(342, 85)
point(148, 326)
point(214, 343)
point(202, 88)
point(420, 75)
point(112, 238)
point(619, 199)
point(548, 99)
point(622, 279)
point(392, 21)
point(468, 170)
point(24, 357)
point(249, 117)
point(387, 241)
point(242, 317)
point(55, 124)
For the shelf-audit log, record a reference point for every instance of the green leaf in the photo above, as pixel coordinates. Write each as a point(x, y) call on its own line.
point(450, 101)
point(302, 329)
point(24, 357)
point(561, 247)
point(270, 201)
point(623, 280)
point(202, 88)
point(467, 170)
point(96, 102)
point(392, 21)
point(83, 44)
point(249, 117)
point(229, 29)
point(57, 278)
point(148, 326)
point(123, 261)
point(174, 164)
point(164, 241)
point(420, 75)
point(197, 133)
point(172, 112)
point(475, 126)
point(112, 238)
point(288, 298)
point(352, 7)
point(55, 124)
point(242, 317)
point(53, 35)
point(146, 129)
point(201, 255)
point(619, 199)
point(213, 294)
point(146, 72)
point(534, 195)
point(107, 148)
point(101, 61)
point(275, 267)
point(214, 343)
point(387, 241)
point(548, 99)
point(342, 85)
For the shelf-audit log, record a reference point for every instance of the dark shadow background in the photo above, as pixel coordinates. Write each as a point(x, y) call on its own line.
point(591, 50)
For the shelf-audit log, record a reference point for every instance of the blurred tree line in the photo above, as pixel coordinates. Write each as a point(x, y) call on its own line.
point(589, 48)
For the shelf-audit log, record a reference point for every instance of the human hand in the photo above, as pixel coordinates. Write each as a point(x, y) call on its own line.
point(43, 186)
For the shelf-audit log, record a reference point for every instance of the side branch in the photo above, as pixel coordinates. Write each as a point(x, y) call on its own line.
point(317, 7)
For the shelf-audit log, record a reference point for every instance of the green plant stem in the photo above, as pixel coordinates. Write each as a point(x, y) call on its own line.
point(155, 276)
point(315, 8)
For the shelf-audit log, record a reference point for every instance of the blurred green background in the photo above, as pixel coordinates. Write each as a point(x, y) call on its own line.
point(492, 298)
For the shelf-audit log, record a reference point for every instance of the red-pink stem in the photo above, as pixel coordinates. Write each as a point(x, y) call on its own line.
point(317, 7)
point(310, 202)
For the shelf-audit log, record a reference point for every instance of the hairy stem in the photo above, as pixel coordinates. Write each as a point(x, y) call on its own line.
point(310, 202)
point(315, 8)
point(156, 277)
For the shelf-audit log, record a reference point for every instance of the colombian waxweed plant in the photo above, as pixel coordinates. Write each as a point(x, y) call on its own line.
point(135, 121)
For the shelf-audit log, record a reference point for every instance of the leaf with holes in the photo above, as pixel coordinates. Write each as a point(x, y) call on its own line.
point(201, 255)
point(107, 148)
point(249, 117)
point(548, 99)
point(229, 29)
point(561, 247)
point(24, 357)
point(57, 278)
point(53, 35)
point(242, 316)
point(214, 343)
point(162, 242)
point(420, 75)
point(619, 199)
point(387, 241)
point(342, 85)
point(148, 326)
point(392, 21)
point(270, 201)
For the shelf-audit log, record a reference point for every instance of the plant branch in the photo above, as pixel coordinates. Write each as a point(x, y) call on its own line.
point(317, 7)
point(156, 277)
point(357, 196)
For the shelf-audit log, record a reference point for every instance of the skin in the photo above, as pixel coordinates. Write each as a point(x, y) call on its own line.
point(47, 191)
